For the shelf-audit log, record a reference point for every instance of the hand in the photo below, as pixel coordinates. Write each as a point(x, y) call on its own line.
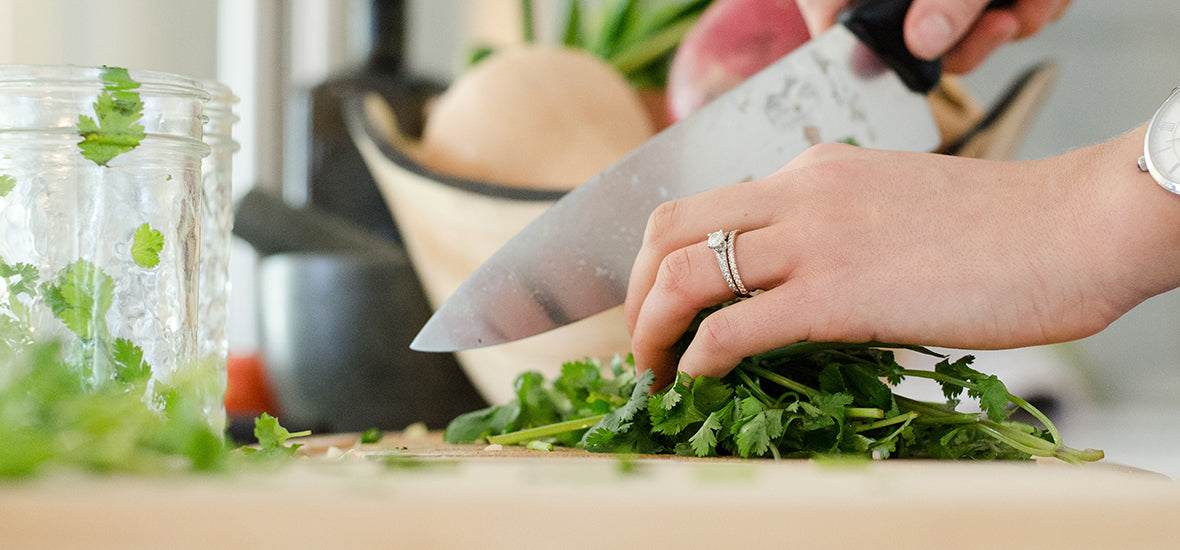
point(957, 30)
point(856, 245)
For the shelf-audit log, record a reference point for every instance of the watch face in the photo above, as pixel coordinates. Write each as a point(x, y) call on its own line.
point(1162, 148)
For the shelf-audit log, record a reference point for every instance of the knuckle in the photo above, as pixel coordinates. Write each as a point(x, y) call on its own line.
point(675, 274)
point(716, 336)
point(819, 153)
point(662, 222)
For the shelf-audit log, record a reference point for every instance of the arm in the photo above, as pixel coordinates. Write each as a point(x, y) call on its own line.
point(954, 29)
point(855, 245)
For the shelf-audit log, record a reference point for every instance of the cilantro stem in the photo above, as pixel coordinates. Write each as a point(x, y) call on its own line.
point(899, 419)
point(1018, 443)
point(1008, 435)
point(781, 380)
point(1028, 407)
point(933, 413)
point(548, 430)
point(863, 412)
point(905, 420)
point(755, 389)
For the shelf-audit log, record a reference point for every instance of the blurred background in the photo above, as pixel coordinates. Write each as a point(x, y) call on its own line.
point(290, 62)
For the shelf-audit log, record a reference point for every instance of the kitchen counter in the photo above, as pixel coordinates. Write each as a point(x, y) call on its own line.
point(416, 492)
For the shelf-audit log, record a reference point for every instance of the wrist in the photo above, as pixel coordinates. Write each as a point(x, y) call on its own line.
point(1138, 221)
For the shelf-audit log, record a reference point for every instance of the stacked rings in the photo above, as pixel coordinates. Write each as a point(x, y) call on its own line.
point(721, 243)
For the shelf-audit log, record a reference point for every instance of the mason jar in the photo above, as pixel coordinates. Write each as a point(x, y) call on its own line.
point(100, 181)
point(217, 219)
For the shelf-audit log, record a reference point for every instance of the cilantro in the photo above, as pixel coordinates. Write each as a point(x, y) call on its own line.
point(480, 424)
point(49, 417)
point(704, 441)
point(58, 411)
point(130, 368)
point(757, 428)
point(146, 246)
point(372, 435)
point(7, 184)
point(81, 298)
point(272, 437)
point(625, 429)
point(118, 111)
point(808, 399)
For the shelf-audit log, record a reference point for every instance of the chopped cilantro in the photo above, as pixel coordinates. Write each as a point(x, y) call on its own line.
point(372, 435)
point(272, 438)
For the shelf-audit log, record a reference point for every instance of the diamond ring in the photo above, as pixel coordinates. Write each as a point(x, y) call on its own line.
point(721, 243)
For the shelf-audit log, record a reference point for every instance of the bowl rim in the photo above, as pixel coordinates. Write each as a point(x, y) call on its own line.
point(355, 116)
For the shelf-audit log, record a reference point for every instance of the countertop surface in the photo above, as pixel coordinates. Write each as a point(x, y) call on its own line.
point(413, 491)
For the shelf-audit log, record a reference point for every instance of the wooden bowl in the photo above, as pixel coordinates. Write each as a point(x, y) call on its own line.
point(450, 226)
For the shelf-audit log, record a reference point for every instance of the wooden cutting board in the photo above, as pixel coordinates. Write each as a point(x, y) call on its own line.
point(416, 492)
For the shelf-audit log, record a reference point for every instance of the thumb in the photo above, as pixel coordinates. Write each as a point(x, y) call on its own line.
point(933, 26)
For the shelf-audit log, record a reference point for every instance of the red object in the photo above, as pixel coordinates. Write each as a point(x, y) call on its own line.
point(247, 390)
point(731, 41)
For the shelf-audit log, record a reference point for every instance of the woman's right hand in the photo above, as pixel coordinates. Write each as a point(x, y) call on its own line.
point(959, 31)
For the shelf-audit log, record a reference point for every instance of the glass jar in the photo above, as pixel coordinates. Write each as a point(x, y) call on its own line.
point(217, 220)
point(100, 179)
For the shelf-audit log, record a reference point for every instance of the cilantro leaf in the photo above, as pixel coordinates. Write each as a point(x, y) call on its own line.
point(757, 433)
point(272, 436)
point(146, 246)
point(624, 429)
point(866, 388)
point(115, 129)
point(991, 393)
point(7, 184)
point(537, 407)
point(130, 368)
point(993, 397)
point(674, 409)
point(117, 79)
point(704, 441)
point(478, 425)
point(26, 274)
point(81, 298)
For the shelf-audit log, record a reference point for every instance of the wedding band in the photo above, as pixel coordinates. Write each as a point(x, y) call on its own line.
point(721, 243)
point(737, 287)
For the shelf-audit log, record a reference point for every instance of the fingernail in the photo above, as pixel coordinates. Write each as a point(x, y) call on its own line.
point(933, 36)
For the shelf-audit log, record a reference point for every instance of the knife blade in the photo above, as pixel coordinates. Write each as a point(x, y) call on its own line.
point(855, 82)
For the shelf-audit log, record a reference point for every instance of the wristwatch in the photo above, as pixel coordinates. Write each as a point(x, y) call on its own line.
point(1161, 147)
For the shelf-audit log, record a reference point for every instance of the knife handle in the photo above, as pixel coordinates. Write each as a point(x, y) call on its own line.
point(879, 25)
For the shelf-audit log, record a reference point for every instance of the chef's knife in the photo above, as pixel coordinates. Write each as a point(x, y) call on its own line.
point(856, 82)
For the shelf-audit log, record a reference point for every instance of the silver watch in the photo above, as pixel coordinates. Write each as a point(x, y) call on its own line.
point(1161, 147)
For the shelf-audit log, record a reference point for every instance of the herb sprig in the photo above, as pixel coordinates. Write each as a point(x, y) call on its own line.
point(115, 127)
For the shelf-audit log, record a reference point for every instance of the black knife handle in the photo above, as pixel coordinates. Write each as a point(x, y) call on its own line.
point(879, 25)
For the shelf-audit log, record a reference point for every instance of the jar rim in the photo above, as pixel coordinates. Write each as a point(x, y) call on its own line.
point(151, 82)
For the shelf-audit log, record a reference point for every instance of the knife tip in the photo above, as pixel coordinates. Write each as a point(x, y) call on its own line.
point(423, 342)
